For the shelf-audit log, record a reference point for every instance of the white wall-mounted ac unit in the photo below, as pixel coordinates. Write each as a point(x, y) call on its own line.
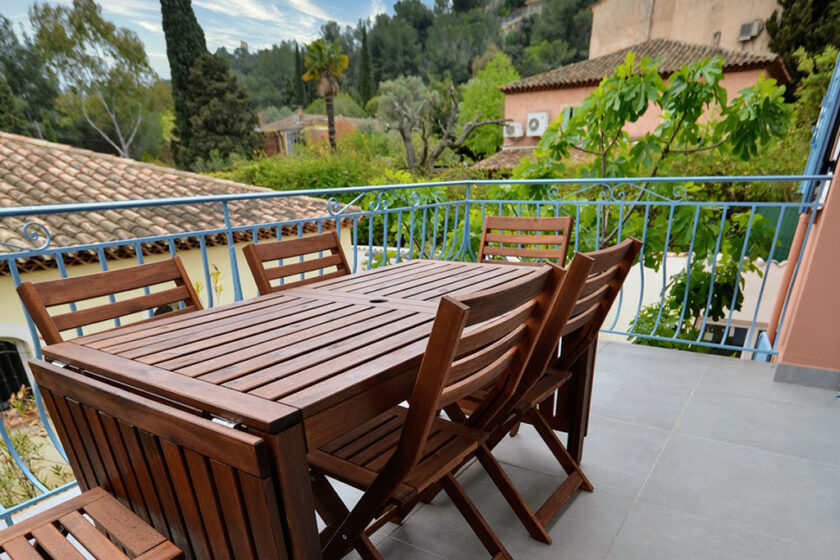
point(750, 30)
point(537, 123)
point(513, 130)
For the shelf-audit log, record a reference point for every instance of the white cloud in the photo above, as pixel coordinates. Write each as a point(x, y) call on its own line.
point(150, 26)
point(310, 9)
point(131, 7)
point(376, 7)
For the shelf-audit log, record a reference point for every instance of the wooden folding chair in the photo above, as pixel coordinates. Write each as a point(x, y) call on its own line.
point(205, 486)
point(542, 396)
point(39, 297)
point(524, 239)
point(93, 525)
point(293, 274)
point(483, 340)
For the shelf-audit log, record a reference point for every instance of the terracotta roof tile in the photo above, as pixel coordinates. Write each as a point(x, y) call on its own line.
point(35, 173)
point(505, 159)
point(674, 54)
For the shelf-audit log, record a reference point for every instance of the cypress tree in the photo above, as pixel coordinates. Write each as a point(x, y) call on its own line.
point(185, 43)
point(300, 85)
point(222, 121)
point(366, 83)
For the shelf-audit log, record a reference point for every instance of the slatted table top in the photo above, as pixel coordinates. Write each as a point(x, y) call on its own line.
point(305, 349)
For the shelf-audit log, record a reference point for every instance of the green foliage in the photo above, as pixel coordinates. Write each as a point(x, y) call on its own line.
point(362, 157)
point(185, 44)
point(808, 24)
point(367, 88)
point(483, 100)
point(104, 67)
point(456, 39)
point(33, 87)
point(30, 441)
point(407, 104)
point(815, 72)
point(268, 74)
point(303, 93)
point(11, 118)
point(222, 123)
point(344, 105)
point(394, 47)
point(558, 35)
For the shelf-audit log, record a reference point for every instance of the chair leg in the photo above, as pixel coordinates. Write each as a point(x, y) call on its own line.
point(576, 478)
point(511, 494)
point(515, 429)
point(476, 521)
point(332, 510)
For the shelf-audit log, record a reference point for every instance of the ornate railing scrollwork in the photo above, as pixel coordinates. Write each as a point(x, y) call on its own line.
point(618, 192)
point(32, 231)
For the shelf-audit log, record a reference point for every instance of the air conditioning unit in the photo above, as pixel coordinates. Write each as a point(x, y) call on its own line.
point(537, 123)
point(750, 30)
point(513, 130)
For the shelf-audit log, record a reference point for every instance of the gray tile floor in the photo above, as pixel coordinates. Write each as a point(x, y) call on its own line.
point(691, 456)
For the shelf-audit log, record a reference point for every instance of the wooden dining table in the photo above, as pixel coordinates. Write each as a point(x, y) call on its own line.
point(297, 367)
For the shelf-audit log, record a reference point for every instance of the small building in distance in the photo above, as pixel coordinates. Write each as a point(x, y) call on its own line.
point(281, 136)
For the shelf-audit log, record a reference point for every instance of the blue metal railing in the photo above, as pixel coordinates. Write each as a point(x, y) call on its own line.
point(697, 250)
point(387, 224)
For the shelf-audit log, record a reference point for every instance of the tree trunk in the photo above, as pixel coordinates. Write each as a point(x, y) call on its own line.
point(328, 100)
point(410, 157)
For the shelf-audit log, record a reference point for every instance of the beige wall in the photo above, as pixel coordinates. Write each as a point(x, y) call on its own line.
point(617, 24)
point(810, 333)
point(13, 323)
point(519, 105)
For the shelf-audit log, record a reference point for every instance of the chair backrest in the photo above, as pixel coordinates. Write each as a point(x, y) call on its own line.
point(609, 269)
point(205, 486)
point(292, 273)
point(530, 240)
point(39, 297)
point(483, 340)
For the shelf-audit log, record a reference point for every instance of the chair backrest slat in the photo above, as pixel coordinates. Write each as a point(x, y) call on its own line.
point(197, 482)
point(39, 297)
point(258, 255)
point(610, 267)
point(527, 239)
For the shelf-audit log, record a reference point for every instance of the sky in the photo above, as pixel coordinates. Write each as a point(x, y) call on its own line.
point(260, 23)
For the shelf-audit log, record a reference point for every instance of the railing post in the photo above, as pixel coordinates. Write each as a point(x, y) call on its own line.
point(234, 268)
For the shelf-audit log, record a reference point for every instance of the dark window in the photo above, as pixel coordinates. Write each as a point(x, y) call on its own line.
point(12, 372)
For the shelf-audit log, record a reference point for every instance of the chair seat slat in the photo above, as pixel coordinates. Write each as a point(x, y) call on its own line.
point(94, 542)
point(20, 549)
point(54, 543)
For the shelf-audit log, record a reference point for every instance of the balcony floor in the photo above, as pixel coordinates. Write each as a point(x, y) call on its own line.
point(691, 456)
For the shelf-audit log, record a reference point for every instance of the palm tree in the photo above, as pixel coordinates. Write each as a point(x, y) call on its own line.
point(325, 63)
